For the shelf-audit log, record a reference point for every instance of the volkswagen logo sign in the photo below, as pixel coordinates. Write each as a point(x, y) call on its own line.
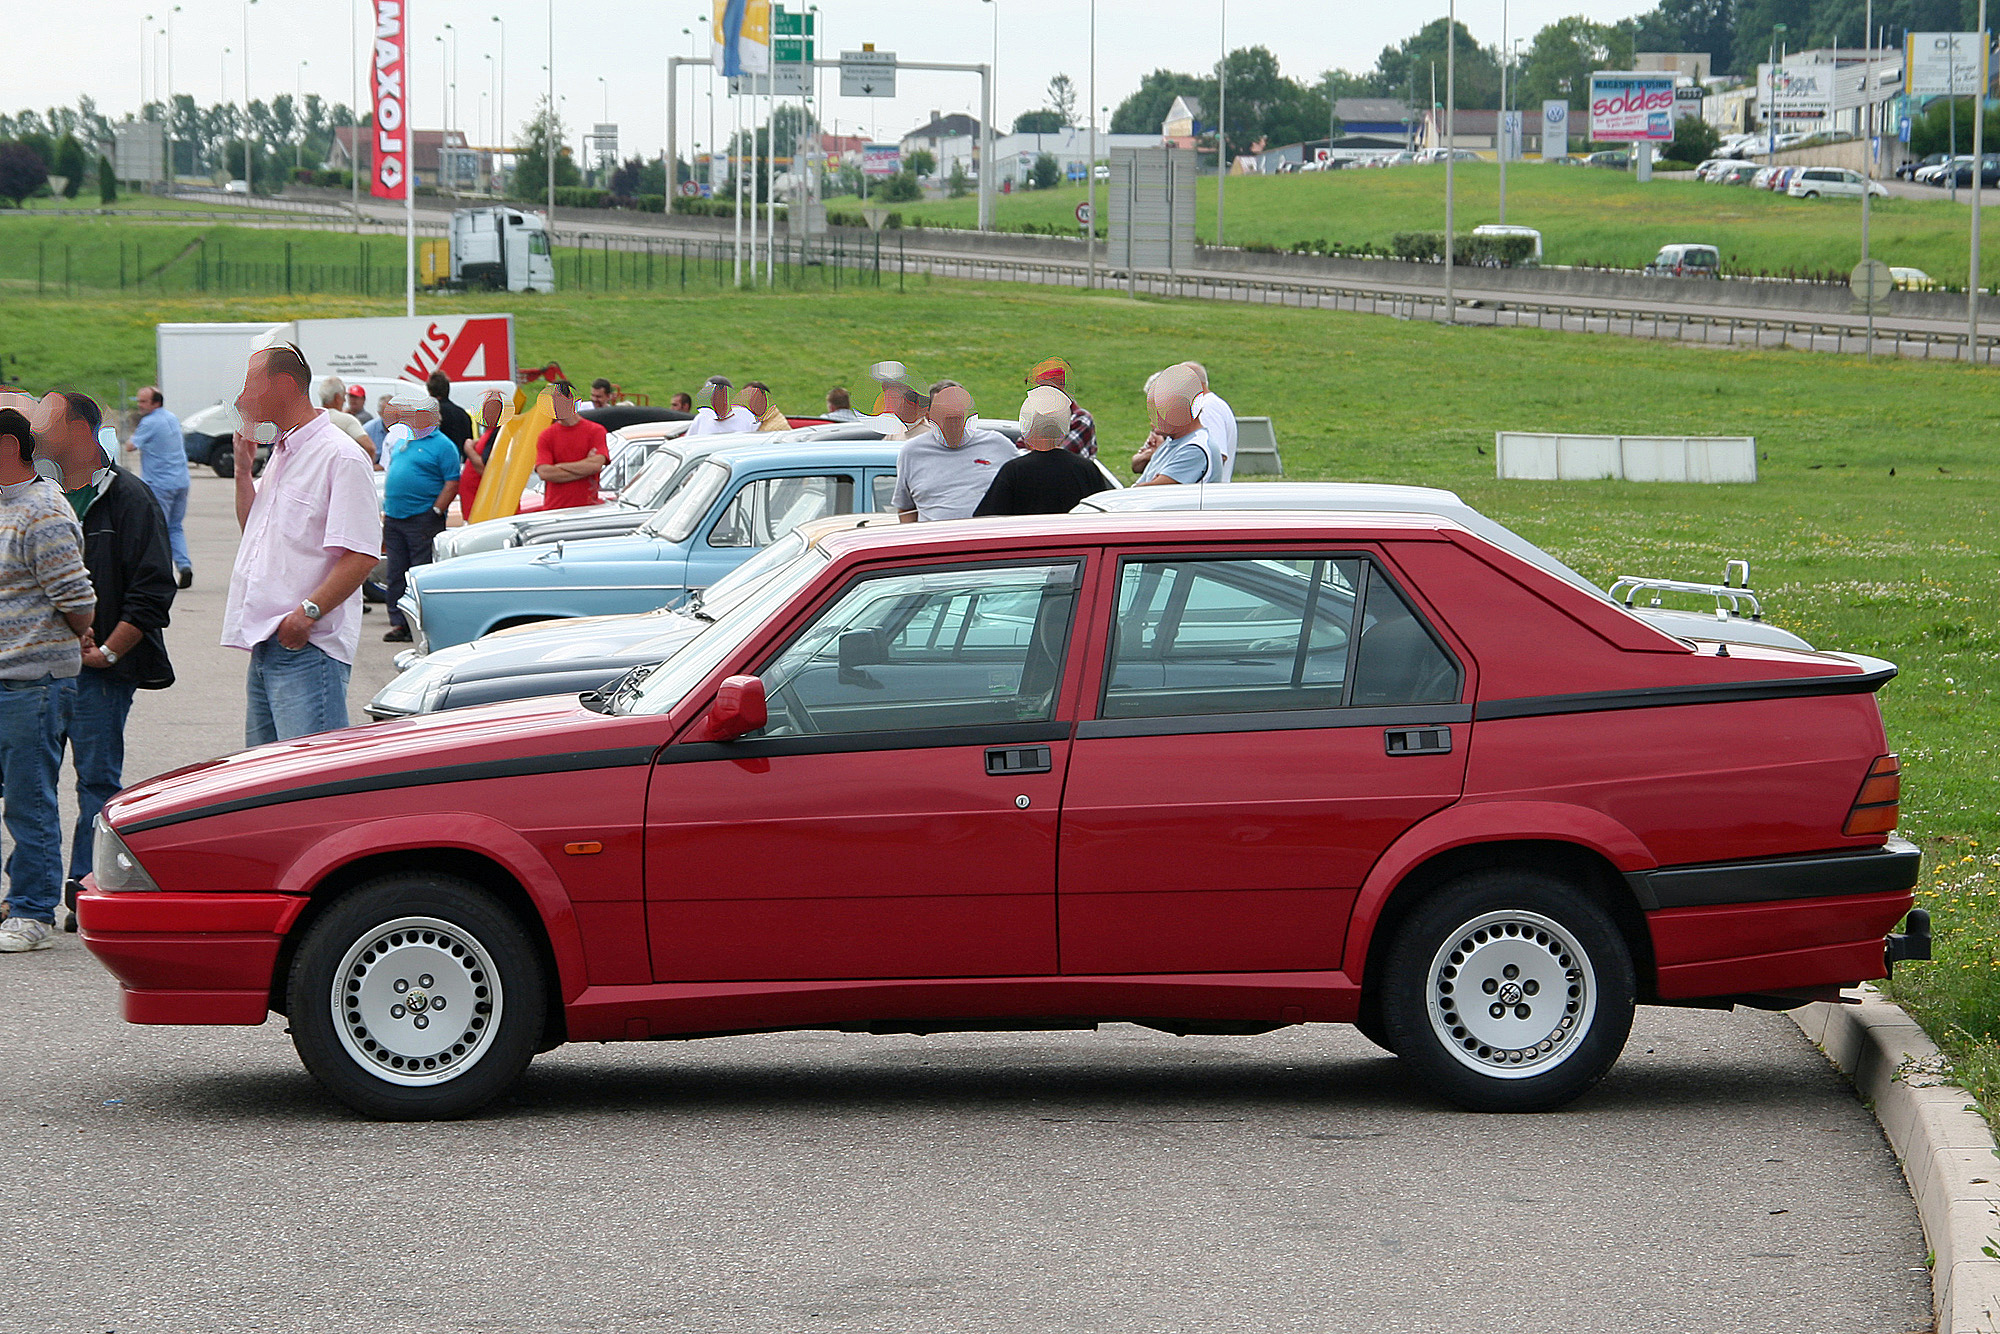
point(1557, 113)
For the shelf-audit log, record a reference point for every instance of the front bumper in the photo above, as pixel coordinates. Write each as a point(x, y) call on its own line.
point(188, 958)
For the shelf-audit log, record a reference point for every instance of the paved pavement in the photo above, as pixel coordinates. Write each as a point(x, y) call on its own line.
point(191, 1180)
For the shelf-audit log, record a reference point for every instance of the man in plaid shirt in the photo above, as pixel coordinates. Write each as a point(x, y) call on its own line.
point(1082, 436)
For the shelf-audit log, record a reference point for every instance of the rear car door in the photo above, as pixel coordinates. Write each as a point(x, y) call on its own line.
point(1265, 726)
point(763, 509)
point(897, 815)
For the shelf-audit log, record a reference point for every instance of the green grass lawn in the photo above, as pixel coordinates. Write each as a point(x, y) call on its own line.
point(1872, 529)
point(1586, 216)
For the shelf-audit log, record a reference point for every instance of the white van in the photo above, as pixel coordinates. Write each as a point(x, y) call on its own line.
point(1834, 183)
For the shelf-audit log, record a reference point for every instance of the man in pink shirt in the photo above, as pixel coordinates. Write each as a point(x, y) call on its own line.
point(311, 534)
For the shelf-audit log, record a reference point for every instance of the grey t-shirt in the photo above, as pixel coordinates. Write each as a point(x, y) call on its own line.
point(943, 483)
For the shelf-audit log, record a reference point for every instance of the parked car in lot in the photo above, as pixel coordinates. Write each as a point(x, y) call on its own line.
point(1961, 173)
point(1940, 173)
point(1617, 159)
point(578, 654)
point(1907, 170)
point(732, 504)
point(1251, 770)
point(1685, 261)
point(1833, 183)
point(1741, 173)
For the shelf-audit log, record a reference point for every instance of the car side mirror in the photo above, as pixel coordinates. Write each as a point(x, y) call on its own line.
point(739, 709)
point(862, 648)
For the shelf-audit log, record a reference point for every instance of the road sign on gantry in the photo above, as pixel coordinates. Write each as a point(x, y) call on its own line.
point(867, 73)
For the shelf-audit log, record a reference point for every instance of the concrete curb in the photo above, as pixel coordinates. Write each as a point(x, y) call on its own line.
point(1948, 1154)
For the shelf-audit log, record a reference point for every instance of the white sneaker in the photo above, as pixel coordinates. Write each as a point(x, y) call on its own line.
point(18, 935)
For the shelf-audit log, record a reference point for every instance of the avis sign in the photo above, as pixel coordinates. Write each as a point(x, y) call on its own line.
point(389, 64)
point(1631, 107)
point(464, 347)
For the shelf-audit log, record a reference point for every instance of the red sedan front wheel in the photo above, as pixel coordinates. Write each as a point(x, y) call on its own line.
point(416, 998)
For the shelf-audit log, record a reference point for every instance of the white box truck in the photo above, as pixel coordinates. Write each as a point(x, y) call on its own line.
point(201, 365)
point(501, 249)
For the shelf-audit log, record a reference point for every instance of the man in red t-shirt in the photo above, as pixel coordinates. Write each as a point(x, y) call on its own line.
point(569, 453)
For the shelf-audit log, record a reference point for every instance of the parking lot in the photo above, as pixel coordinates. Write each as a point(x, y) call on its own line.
point(196, 1179)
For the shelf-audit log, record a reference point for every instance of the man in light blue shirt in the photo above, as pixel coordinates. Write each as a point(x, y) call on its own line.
point(163, 463)
point(1185, 454)
point(376, 428)
point(423, 468)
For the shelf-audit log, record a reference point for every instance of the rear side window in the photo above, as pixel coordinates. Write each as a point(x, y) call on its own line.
point(1263, 635)
point(768, 508)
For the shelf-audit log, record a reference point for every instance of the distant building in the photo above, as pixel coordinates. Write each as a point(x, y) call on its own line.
point(465, 167)
point(1014, 154)
point(939, 128)
point(1183, 123)
point(1693, 65)
point(1383, 117)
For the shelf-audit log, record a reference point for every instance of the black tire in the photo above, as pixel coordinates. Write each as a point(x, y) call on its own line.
point(464, 954)
point(1535, 1054)
point(222, 457)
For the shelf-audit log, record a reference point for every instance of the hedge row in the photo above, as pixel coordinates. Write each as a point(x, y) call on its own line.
point(1492, 252)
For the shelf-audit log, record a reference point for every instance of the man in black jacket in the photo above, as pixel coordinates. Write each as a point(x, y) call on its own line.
point(455, 422)
point(125, 550)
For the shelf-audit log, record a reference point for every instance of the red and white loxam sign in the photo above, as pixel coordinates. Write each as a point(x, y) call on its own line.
point(464, 347)
point(389, 177)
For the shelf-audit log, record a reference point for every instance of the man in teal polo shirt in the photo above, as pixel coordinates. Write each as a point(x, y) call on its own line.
point(423, 471)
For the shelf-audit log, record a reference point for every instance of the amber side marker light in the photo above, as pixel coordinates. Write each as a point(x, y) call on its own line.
point(1876, 806)
point(583, 849)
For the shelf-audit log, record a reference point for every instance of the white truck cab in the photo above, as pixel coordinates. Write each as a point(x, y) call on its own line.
point(501, 249)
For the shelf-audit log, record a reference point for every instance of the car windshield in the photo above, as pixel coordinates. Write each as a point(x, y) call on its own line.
point(731, 588)
point(649, 489)
point(666, 687)
point(688, 503)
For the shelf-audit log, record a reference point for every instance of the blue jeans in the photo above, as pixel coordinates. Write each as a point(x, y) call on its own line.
point(32, 716)
point(175, 503)
point(294, 692)
point(98, 705)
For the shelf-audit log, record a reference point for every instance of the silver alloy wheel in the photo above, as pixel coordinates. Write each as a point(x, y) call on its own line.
point(1511, 994)
point(416, 1001)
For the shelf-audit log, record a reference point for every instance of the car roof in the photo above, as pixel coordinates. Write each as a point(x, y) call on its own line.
point(1368, 497)
point(781, 452)
point(1058, 530)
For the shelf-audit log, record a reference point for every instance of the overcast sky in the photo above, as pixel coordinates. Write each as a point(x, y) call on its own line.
point(625, 42)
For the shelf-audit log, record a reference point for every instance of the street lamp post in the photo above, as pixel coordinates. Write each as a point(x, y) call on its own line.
point(249, 137)
point(144, 24)
point(1504, 141)
point(170, 97)
point(986, 163)
point(500, 97)
point(1450, 149)
point(548, 130)
point(1221, 120)
point(1090, 168)
point(298, 117)
point(1771, 106)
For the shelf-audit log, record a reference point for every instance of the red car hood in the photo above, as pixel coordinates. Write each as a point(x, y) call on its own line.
point(454, 737)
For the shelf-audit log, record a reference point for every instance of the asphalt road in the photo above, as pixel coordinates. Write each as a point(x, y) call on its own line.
point(187, 1180)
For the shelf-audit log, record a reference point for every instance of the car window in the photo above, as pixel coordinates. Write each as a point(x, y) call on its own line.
point(1230, 636)
point(1398, 661)
point(881, 491)
point(654, 479)
point(766, 509)
point(957, 646)
point(687, 504)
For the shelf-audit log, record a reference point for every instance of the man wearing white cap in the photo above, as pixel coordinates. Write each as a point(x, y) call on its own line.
point(1047, 478)
point(716, 417)
point(945, 472)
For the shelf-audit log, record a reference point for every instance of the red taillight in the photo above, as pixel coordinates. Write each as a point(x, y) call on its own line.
point(1876, 805)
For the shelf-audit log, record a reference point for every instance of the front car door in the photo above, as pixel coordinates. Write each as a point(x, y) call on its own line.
point(763, 509)
point(1265, 726)
point(897, 815)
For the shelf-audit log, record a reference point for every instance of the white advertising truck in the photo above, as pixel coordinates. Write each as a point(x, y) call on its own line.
point(501, 250)
point(201, 365)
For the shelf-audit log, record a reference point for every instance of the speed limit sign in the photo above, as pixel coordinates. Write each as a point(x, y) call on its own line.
point(1082, 214)
point(689, 189)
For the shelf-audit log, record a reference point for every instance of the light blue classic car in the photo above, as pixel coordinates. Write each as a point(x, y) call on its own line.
point(734, 503)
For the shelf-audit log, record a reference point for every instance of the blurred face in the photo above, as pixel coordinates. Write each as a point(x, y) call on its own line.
point(489, 410)
point(266, 397)
point(950, 410)
point(718, 399)
point(563, 404)
point(755, 400)
point(1172, 413)
point(421, 421)
point(904, 404)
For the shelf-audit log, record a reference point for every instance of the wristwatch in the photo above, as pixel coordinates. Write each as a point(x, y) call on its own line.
point(110, 656)
point(311, 609)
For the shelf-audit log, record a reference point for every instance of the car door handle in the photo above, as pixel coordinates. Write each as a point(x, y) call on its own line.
point(1417, 741)
point(1004, 761)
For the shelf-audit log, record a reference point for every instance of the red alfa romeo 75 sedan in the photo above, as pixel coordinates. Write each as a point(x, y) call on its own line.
point(1209, 773)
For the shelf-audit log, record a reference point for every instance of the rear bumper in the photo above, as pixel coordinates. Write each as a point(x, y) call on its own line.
point(189, 958)
point(1776, 924)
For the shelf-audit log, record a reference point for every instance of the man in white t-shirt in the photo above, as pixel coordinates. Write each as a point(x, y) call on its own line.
point(717, 417)
point(1218, 419)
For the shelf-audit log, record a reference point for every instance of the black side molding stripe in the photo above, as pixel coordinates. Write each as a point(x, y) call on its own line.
point(528, 766)
point(1661, 697)
point(1296, 720)
point(1889, 869)
point(844, 743)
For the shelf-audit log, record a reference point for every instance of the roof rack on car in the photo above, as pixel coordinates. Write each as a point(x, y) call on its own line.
point(1731, 596)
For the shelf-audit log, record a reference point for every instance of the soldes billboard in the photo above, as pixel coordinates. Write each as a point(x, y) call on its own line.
point(1631, 107)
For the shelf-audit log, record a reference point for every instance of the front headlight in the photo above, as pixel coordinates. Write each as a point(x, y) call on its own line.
point(112, 864)
point(442, 544)
point(417, 690)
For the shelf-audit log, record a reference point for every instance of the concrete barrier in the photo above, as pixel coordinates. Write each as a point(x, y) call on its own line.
point(1530, 456)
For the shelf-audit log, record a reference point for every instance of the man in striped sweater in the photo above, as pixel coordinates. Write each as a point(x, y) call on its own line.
point(46, 603)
